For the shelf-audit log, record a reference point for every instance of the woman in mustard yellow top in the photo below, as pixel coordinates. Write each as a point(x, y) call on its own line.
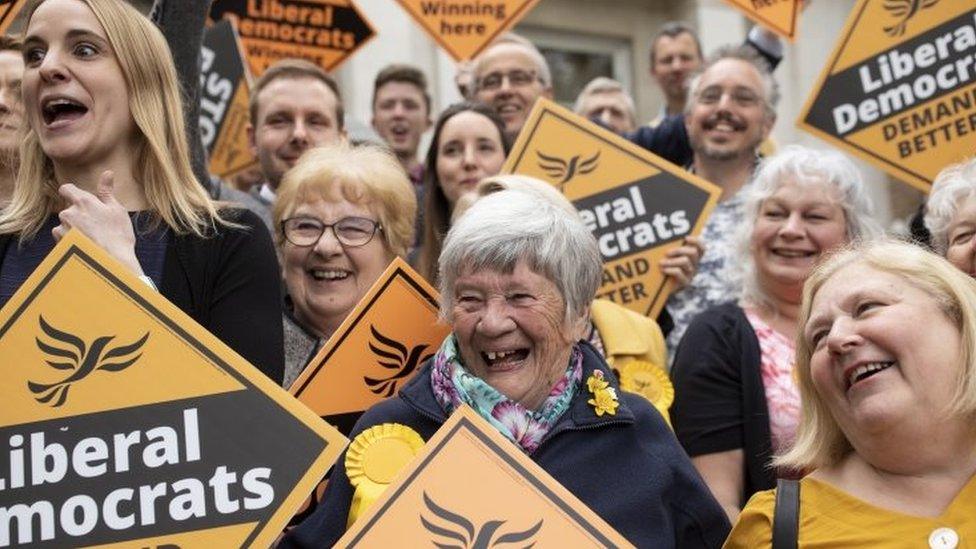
point(887, 375)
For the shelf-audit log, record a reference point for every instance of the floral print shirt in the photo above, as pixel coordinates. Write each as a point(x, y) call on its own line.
point(777, 354)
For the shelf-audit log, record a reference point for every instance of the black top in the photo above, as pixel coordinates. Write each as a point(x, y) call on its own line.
point(720, 401)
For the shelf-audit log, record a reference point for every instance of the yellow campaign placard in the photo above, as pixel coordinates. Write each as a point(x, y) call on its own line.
point(900, 87)
point(465, 27)
point(778, 16)
point(125, 423)
point(471, 487)
point(9, 9)
point(325, 32)
point(376, 350)
point(638, 205)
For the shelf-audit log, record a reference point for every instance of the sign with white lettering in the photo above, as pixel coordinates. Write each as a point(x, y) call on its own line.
point(778, 16)
point(465, 27)
point(124, 423)
point(900, 87)
point(325, 32)
point(638, 205)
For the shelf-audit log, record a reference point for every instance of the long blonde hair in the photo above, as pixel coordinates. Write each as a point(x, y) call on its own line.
point(161, 163)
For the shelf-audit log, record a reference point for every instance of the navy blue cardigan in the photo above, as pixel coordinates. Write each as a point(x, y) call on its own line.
point(628, 468)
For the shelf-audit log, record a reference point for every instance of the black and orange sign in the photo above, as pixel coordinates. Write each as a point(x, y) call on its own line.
point(124, 423)
point(778, 16)
point(378, 348)
point(900, 87)
point(638, 205)
point(9, 9)
point(325, 32)
point(465, 27)
point(517, 502)
point(224, 115)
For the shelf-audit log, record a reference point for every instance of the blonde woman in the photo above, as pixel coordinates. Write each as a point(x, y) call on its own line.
point(105, 152)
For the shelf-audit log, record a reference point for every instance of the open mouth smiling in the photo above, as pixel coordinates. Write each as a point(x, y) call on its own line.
point(864, 371)
point(61, 110)
point(502, 360)
point(328, 274)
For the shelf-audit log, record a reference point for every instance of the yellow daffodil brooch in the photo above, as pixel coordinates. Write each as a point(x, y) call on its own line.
point(604, 399)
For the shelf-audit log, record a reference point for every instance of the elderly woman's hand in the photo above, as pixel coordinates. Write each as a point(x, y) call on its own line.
point(681, 263)
point(101, 218)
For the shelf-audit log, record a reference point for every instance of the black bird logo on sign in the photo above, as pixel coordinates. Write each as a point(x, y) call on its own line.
point(904, 10)
point(563, 170)
point(463, 535)
point(70, 352)
point(393, 355)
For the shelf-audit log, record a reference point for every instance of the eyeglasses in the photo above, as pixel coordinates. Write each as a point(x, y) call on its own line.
point(349, 231)
point(516, 78)
point(744, 97)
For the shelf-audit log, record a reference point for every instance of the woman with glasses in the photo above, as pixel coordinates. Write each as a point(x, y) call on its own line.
point(342, 213)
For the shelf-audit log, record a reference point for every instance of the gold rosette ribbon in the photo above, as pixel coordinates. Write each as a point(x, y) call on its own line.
point(373, 460)
point(650, 381)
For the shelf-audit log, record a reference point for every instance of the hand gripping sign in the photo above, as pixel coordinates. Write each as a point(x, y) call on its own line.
point(638, 205)
point(900, 87)
point(124, 423)
point(777, 15)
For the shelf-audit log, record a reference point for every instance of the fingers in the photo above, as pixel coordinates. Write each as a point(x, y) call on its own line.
point(105, 190)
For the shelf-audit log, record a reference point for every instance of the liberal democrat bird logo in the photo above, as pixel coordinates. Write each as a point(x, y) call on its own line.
point(904, 10)
point(463, 535)
point(70, 352)
point(393, 355)
point(557, 168)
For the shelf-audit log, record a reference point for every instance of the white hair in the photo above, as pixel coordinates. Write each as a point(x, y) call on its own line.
point(602, 85)
point(951, 188)
point(519, 41)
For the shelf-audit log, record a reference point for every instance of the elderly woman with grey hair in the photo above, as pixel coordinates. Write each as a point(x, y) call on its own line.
point(736, 401)
point(517, 276)
point(950, 215)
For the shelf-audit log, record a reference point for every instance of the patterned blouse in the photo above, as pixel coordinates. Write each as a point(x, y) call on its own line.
point(776, 368)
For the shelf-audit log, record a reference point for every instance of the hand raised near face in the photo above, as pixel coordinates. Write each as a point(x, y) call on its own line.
point(681, 263)
point(101, 218)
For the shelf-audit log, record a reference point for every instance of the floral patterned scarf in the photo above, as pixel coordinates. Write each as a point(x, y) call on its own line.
point(454, 385)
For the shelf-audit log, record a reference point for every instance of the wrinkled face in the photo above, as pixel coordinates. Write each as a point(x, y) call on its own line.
point(293, 115)
point(469, 149)
point(795, 226)
point(961, 232)
point(884, 354)
point(75, 95)
point(611, 108)
point(400, 117)
point(11, 106)
point(674, 61)
point(512, 332)
point(327, 280)
point(727, 119)
point(508, 81)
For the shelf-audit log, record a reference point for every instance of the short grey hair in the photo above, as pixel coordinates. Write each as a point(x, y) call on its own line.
point(507, 227)
point(803, 166)
point(741, 53)
point(602, 84)
point(951, 187)
point(517, 40)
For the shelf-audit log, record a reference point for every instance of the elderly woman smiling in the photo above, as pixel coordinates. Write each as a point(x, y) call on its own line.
point(951, 215)
point(517, 276)
point(887, 373)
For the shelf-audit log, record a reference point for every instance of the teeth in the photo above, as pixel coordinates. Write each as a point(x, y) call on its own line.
point(328, 275)
point(492, 355)
point(866, 368)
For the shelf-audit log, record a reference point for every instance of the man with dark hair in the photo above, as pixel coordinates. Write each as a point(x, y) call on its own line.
point(11, 113)
point(295, 105)
point(401, 113)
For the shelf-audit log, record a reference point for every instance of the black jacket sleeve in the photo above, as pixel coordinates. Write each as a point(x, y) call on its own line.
point(669, 140)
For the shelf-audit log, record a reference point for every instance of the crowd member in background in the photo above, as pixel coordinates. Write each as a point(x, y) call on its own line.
point(342, 213)
point(111, 160)
point(401, 114)
point(950, 215)
point(736, 402)
point(605, 99)
point(468, 145)
point(11, 113)
point(517, 276)
point(295, 105)
point(509, 76)
point(731, 111)
point(888, 383)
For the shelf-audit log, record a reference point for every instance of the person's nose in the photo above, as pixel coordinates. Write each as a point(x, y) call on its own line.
point(328, 244)
point(52, 68)
point(495, 319)
point(843, 336)
point(469, 158)
point(606, 117)
point(792, 226)
point(299, 133)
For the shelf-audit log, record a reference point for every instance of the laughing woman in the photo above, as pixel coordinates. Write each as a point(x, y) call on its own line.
point(106, 153)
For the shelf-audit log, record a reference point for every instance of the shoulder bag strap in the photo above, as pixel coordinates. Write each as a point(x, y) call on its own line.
point(786, 515)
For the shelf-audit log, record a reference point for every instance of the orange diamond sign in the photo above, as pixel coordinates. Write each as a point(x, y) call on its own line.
point(777, 15)
point(8, 12)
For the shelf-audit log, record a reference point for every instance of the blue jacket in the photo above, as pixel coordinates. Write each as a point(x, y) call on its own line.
point(628, 468)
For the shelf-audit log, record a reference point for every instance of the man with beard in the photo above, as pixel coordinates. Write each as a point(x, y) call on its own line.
point(11, 113)
point(401, 114)
point(731, 110)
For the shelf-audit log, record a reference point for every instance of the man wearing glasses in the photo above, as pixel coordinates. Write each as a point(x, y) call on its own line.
point(509, 76)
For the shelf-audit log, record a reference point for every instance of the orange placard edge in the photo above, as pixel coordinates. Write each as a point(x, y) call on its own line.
point(756, 18)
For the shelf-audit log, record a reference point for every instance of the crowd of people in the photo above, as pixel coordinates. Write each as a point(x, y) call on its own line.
point(821, 372)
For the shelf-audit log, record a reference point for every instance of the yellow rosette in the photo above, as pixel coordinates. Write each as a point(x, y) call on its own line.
point(650, 381)
point(373, 460)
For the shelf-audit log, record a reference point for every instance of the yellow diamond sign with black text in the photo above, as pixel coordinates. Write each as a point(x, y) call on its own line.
point(125, 423)
point(777, 15)
point(900, 88)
